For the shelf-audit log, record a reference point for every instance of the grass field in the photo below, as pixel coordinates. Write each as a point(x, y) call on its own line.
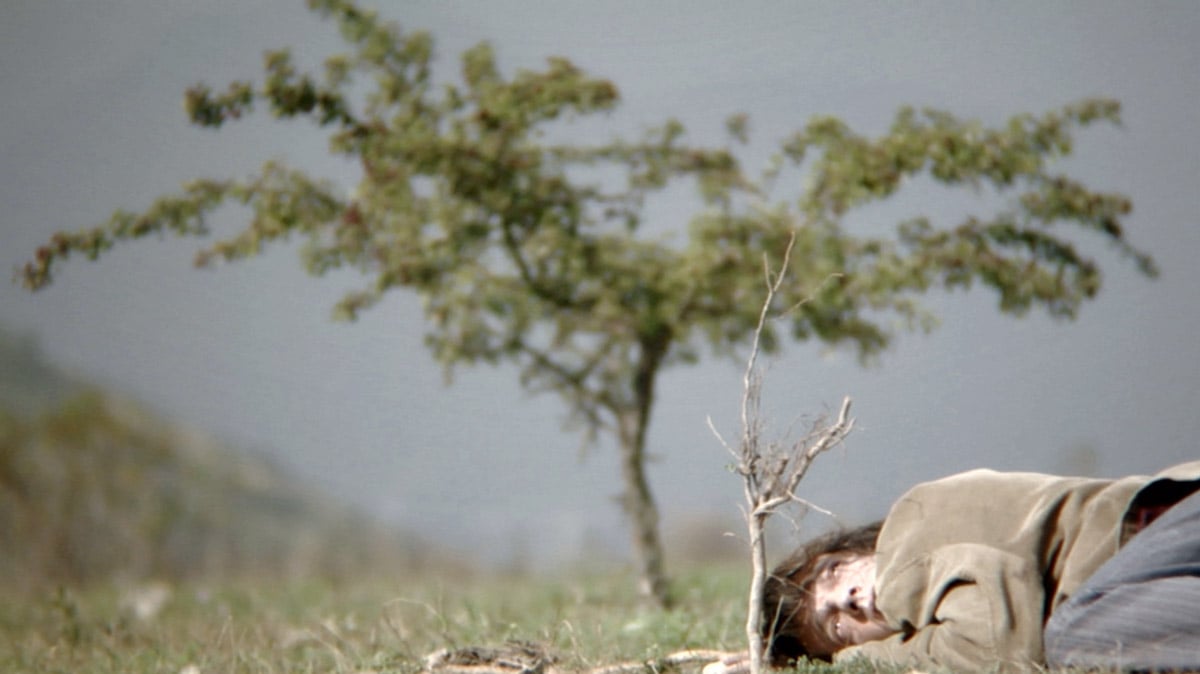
point(369, 626)
point(98, 488)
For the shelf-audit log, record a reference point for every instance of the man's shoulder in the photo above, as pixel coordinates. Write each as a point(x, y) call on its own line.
point(983, 481)
point(1183, 472)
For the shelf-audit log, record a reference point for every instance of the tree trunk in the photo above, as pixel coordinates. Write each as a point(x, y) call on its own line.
point(637, 500)
point(643, 521)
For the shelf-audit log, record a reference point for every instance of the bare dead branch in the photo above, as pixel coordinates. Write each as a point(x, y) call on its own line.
point(533, 659)
point(771, 475)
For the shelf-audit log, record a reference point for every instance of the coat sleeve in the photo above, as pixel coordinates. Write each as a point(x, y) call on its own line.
point(963, 607)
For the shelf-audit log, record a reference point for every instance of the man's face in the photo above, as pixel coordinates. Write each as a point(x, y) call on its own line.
point(843, 604)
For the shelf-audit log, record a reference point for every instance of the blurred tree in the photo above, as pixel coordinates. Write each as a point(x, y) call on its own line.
point(529, 250)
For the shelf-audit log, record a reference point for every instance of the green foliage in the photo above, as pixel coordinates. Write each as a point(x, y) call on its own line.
point(522, 252)
point(533, 251)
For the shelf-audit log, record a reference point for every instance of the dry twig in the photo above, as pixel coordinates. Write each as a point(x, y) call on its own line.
point(529, 658)
point(771, 472)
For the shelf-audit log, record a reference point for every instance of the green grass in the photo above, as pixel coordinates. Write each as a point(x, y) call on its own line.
point(381, 626)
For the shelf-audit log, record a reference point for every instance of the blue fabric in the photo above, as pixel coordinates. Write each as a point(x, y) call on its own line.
point(1141, 609)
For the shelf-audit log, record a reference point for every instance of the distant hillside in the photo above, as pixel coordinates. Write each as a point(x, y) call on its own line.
point(28, 383)
point(97, 487)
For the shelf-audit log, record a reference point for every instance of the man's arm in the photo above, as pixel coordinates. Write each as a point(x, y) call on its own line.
point(963, 607)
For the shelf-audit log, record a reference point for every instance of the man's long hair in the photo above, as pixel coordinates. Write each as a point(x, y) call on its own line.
point(788, 614)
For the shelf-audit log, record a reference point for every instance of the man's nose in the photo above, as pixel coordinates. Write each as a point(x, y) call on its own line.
point(852, 600)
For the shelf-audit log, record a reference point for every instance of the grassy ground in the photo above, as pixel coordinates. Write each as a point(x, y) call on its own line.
point(376, 626)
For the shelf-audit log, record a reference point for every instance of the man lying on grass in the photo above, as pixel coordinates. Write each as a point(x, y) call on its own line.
point(988, 571)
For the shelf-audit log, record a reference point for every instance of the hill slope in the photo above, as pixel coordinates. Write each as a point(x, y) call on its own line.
point(98, 487)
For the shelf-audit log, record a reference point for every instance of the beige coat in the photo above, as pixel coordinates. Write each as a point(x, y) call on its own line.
point(969, 567)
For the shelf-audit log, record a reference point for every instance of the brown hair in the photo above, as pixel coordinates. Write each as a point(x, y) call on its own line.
point(787, 616)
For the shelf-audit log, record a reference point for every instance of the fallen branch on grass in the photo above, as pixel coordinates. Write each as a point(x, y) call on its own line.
point(522, 657)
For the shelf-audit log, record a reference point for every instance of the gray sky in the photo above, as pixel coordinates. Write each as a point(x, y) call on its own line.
point(91, 120)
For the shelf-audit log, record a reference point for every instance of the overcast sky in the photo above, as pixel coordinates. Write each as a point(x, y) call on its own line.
point(91, 120)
